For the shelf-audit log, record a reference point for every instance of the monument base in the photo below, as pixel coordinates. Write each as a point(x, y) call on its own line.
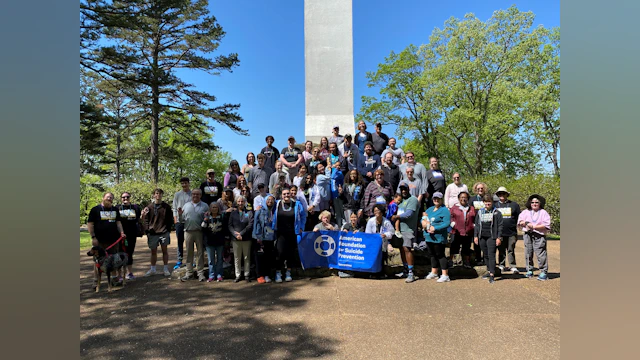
point(317, 126)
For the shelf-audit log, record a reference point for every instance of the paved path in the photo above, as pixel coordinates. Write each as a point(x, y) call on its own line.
point(158, 318)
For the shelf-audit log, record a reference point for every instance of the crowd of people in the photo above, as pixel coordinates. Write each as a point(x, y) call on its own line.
point(360, 183)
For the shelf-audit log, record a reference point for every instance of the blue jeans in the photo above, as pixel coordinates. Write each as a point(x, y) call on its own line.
point(180, 236)
point(217, 250)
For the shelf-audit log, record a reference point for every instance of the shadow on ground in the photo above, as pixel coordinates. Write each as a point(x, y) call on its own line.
point(161, 318)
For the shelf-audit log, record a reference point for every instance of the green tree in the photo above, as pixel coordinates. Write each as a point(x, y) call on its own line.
point(462, 95)
point(144, 43)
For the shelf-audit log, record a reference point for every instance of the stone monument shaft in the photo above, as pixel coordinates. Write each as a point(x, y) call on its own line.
point(328, 67)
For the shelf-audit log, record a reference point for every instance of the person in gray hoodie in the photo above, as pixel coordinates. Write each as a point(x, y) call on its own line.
point(488, 234)
point(265, 235)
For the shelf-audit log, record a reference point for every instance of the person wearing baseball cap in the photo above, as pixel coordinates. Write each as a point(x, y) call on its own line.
point(291, 157)
point(510, 211)
point(435, 222)
point(336, 137)
point(211, 189)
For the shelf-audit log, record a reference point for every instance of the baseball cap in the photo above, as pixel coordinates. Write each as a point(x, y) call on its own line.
point(347, 136)
point(291, 137)
point(336, 126)
point(437, 194)
point(403, 184)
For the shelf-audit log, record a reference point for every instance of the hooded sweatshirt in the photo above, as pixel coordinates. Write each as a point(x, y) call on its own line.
point(263, 223)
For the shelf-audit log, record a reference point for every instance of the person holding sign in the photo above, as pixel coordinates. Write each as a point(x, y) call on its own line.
point(325, 224)
point(488, 234)
point(379, 224)
point(435, 222)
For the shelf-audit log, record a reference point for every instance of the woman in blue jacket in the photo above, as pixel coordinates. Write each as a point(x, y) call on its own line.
point(435, 221)
point(289, 220)
point(265, 235)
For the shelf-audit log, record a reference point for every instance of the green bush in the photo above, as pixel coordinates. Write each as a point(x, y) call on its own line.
point(521, 188)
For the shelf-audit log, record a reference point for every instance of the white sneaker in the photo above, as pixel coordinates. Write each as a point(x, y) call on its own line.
point(288, 277)
point(443, 278)
point(267, 279)
point(398, 234)
point(431, 276)
point(501, 267)
point(278, 277)
point(166, 272)
point(515, 270)
point(150, 273)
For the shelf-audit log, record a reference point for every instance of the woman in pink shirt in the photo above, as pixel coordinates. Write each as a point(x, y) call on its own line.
point(535, 222)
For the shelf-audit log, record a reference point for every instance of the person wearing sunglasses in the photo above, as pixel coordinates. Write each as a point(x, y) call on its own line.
point(453, 190)
point(535, 222)
point(510, 212)
point(132, 226)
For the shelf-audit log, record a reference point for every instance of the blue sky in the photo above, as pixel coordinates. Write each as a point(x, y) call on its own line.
point(268, 37)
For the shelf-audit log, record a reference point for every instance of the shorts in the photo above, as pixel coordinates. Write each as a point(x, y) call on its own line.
point(408, 238)
point(155, 240)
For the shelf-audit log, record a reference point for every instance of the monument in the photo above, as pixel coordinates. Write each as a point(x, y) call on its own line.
point(328, 67)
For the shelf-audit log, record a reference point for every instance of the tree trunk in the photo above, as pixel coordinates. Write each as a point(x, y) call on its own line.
point(118, 142)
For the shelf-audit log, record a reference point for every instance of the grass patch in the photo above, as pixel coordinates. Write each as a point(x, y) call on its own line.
point(85, 240)
point(553, 237)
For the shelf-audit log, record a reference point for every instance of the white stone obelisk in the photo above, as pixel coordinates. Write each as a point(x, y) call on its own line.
point(328, 67)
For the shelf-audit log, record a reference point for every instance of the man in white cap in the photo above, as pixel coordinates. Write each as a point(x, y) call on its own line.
point(291, 157)
point(510, 211)
point(336, 137)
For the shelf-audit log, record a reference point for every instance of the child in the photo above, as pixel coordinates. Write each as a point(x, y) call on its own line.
point(392, 209)
point(325, 224)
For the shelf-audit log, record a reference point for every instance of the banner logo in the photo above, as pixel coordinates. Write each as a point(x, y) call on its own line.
point(324, 245)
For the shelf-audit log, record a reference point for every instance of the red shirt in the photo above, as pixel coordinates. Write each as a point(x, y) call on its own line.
point(462, 227)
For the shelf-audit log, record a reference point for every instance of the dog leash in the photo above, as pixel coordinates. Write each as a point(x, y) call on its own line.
point(109, 247)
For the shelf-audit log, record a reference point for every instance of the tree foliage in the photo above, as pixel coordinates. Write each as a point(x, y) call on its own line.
point(471, 95)
point(137, 46)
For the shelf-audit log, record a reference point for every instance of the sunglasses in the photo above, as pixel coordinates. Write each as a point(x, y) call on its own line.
point(126, 197)
point(456, 177)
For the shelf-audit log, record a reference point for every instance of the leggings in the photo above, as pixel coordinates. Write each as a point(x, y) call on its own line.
point(131, 246)
point(436, 252)
point(488, 246)
point(461, 241)
point(286, 246)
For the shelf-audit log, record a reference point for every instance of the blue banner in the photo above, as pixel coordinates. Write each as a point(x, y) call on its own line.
point(341, 250)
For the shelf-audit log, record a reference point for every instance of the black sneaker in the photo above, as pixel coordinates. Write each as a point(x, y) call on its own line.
point(485, 276)
point(491, 279)
point(236, 280)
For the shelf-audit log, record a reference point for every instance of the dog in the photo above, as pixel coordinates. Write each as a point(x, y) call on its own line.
point(107, 264)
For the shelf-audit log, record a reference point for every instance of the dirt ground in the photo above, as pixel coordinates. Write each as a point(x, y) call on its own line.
point(333, 318)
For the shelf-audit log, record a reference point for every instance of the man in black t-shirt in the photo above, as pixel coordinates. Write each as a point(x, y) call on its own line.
point(291, 157)
point(270, 153)
point(379, 139)
point(105, 227)
point(435, 180)
point(211, 189)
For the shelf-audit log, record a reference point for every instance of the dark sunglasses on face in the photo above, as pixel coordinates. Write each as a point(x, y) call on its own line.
point(126, 197)
point(456, 177)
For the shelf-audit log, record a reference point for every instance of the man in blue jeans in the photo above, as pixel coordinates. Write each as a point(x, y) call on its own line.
point(179, 199)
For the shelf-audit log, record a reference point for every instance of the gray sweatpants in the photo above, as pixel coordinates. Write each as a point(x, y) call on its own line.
point(537, 243)
point(507, 251)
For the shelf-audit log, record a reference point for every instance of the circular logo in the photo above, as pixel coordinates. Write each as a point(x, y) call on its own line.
point(324, 245)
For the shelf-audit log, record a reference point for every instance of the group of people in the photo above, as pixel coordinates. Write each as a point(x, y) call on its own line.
point(361, 183)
